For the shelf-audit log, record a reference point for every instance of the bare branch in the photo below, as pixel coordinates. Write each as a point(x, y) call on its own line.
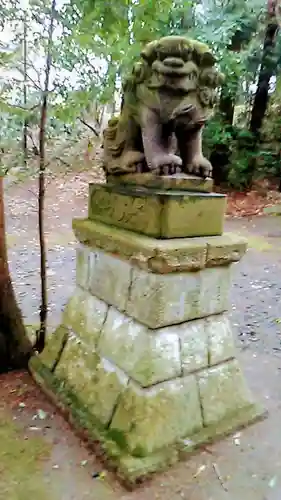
point(18, 106)
point(89, 126)
point(59, 159)
point(35, 148)
point(36, 85)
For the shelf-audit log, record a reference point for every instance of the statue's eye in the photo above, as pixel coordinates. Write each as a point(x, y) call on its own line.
point(161, 56)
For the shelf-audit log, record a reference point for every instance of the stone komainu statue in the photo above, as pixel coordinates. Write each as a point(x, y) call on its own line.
point(166, 101)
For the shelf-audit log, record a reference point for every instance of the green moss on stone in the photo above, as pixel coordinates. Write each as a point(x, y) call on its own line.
point(53, 348)
point(85, 314)
point(138, 463)
point(157, 213)
point(66, 395)
point(119, 437)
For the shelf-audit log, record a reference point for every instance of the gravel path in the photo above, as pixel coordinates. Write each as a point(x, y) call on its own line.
point(256, 288)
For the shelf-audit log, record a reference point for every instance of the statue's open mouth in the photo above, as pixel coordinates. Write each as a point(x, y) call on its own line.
point(177, 67)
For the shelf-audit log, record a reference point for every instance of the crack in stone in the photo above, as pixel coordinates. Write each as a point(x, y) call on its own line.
point(102, 327)
point(161, 214)
point(180, 352)
point(200, 402)
point(116, 404)
point(60, 353)
point(129, 288)
point(208, 347)
point(92, 261)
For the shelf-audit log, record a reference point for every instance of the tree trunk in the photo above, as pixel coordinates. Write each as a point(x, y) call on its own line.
point(227, 104)
point(221, 154)
point(15, 347)
point(219, 158)
point(25, 123)
point(41, 334)
point(228, 97)
point(267, 70)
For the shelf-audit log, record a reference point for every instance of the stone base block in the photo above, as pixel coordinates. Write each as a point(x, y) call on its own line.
point(147, 395)
point(154, 299)
point(158, 213)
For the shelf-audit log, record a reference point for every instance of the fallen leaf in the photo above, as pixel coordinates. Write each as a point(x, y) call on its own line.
point(42, 415)
point(199, 470)
point(272, 482)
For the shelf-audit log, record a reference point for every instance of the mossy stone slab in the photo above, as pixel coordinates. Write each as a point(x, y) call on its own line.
point(94, 380)
point(151, 419)
point(85, 314)
point(223, 392)
point(158, 213)
point(169, 182)
point(158, 300)
point(54, 346)
point(159, 256)
point(147, 356)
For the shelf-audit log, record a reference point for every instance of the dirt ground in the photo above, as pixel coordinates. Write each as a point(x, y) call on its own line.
point(245, 465)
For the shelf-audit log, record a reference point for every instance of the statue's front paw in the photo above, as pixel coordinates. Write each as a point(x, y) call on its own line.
point(201, 166)
point(166, 164)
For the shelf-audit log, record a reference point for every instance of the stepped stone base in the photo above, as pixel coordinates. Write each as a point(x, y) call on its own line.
point(144, 358)
point(147, 395)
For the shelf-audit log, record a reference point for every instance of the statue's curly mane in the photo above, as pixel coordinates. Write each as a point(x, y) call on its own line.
point(197, 56)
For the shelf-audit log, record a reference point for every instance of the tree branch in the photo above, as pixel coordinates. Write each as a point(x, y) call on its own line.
point(36, 85)
point(58, 159)
point(35, 148)
point(89, 126)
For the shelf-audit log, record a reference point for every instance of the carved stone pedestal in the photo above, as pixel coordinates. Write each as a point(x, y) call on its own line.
point(144, 358)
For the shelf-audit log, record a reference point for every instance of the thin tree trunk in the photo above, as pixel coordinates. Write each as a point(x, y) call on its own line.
point(41, 334)
point(25, 123)
point(15, 347)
